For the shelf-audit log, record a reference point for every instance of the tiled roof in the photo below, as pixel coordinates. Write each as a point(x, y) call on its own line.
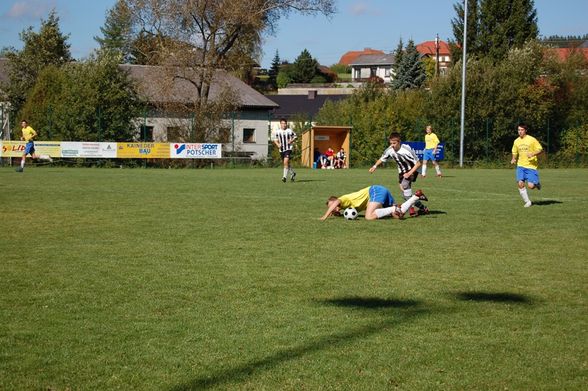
point(151, 78)
point(350, 57)
point(564, 53)
point(291, 105)
point(428, 48)
point(374, 59)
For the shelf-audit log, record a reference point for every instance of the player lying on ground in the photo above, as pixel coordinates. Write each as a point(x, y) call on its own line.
point(376, 200)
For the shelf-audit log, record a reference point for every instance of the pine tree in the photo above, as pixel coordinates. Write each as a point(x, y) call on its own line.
point(505, 24)
point(399, 52)
point(410, 72)
point(456, 45)
point(275, 69)
point(117, 31)
point(305, 68)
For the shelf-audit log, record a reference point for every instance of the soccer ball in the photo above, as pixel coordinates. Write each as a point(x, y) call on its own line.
point(350, 213)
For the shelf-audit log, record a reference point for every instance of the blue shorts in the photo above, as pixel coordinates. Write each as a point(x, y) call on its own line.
point(527, 174)
point(30, 148)
point(428, 154)
point(382, 195)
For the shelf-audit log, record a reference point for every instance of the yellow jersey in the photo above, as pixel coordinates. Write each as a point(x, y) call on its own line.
point(28, 133)
point(358, 200)
point(523, 145)
point(431, 141)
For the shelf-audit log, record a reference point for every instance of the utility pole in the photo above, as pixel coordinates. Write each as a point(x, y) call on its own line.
point(463, 80)
point(437, 55)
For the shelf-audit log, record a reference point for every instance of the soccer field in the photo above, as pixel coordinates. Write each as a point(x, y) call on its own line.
point(154, 279)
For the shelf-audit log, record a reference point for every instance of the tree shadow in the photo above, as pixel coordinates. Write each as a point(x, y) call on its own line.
point(495, 297)
point(546, 202)
point(407, 311)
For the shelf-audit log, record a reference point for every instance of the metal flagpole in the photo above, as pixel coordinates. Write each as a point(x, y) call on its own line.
point(463, 80)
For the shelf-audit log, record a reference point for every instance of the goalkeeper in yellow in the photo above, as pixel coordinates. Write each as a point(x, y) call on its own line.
point(28, 135)
point(524, 153)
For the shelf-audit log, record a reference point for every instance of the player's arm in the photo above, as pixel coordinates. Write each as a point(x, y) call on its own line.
point(538, 151)
point(375, 166)
point(515, 155)
point(409, 173)
point(332, 206)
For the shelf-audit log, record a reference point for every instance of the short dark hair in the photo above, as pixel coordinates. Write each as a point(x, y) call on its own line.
point(332, 198)
point(395, 135)
point(24, 120)
point(283, 120)
point(523, 125)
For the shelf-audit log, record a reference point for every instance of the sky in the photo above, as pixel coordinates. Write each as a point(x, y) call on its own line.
point(358, 24)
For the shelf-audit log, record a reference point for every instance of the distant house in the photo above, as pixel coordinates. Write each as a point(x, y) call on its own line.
point(248, 126)
point(292, 106)
point(369, 66)
point(429, 49)
point(349, 57)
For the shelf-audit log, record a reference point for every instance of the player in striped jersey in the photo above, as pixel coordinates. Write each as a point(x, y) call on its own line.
point(285, 137)
point(408, 164)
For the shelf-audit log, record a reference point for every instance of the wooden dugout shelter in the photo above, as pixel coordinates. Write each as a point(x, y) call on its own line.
point(323, 137)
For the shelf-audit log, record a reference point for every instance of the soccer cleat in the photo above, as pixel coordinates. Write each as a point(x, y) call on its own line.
point(424, 211)
point(528, 204)
point(19, 169)
point(398, 213)
point(284, 179)
point(419, 193)
point(440, 175)
point(412, 211)
point(50, 159)
point(293, 177)
point(538, 186)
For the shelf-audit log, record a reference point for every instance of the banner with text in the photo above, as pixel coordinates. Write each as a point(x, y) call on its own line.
point(195, 151)
point(142, 151)
point(88, 149)
point(11, 148)
point(419, 149)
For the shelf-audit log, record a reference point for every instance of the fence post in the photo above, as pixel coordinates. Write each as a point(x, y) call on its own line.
point(487, 140)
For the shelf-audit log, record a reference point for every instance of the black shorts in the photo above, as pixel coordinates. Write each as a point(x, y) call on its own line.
point(286, 154)
point(411, 178)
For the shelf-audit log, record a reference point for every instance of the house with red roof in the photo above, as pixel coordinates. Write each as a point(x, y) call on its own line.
point(349, 57)
point(438, 50)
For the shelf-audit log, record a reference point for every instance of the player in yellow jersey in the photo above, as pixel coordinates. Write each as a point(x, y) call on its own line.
point(376, 200)
point(525, 150)
point(431, 143)
point(28, 135)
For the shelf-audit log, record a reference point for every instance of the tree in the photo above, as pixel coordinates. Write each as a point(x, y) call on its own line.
point(92, 100)
point(274, 69)
point(399, 52)
point(455, 46)
point(506, 24)
point(47, 47)
point(410, 72)
point(304, 68)
point(117, 31)
point(205, 36)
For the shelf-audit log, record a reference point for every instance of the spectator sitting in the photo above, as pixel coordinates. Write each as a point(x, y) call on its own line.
point(331, 157)
point(323, 161)
point(340, 159)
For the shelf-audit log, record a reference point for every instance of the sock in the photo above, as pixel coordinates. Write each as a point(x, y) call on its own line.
point(408, 203)
point(285, 172)
point(291, 170)
point(438, 169)
point(406, 193)
point(22, 162)
point(424, 172)
point(45, 157)
point(383, 212)
point(524, 194)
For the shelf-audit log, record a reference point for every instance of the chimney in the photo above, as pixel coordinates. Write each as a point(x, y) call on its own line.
point(312, 94)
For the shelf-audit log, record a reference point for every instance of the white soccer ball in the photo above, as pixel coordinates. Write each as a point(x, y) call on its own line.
point(350, 213)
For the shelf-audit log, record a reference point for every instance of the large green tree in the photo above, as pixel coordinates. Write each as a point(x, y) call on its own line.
point(410, 72)
point(274, 69)
point(117, 32)
point(46, 47)
point(457, 24)
point(304, 68)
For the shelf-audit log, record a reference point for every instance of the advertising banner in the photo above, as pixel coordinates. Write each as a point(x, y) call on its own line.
point(16, 148)
point(88, 149)
point(142, 151)
point(419, 148)
point(195, 151)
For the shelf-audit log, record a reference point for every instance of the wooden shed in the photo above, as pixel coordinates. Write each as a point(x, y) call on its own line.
point(320, 138)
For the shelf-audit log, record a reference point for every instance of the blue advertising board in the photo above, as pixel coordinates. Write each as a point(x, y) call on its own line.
point(419, 148)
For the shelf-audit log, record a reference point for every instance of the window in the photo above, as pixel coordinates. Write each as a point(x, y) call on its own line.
point(248, 135)
point(146, 133)
point(387, 72)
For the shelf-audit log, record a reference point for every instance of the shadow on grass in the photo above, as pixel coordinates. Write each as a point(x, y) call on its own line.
point(497, 297)
point(309, 180)
point(407, 310)
point(436, 212)
point(546, 202)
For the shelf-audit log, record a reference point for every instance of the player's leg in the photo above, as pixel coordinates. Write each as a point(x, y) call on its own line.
point(437, 168)
point(424, 168)
point(408, 204)
point(521, 179)
point(381, 203)
point(286, 163)
point(533, 179)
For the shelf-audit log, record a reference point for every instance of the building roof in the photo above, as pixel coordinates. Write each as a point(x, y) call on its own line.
point(563, 53)
point(350, 56)
point(290, 105)
point(427, 48)
point(375, 59)
point(152, 86)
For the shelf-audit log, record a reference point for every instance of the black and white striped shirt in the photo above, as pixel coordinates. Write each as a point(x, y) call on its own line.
point(405, 157)
point(285, 137)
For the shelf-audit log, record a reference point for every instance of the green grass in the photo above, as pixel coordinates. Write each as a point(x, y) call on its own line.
point(226, 279)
